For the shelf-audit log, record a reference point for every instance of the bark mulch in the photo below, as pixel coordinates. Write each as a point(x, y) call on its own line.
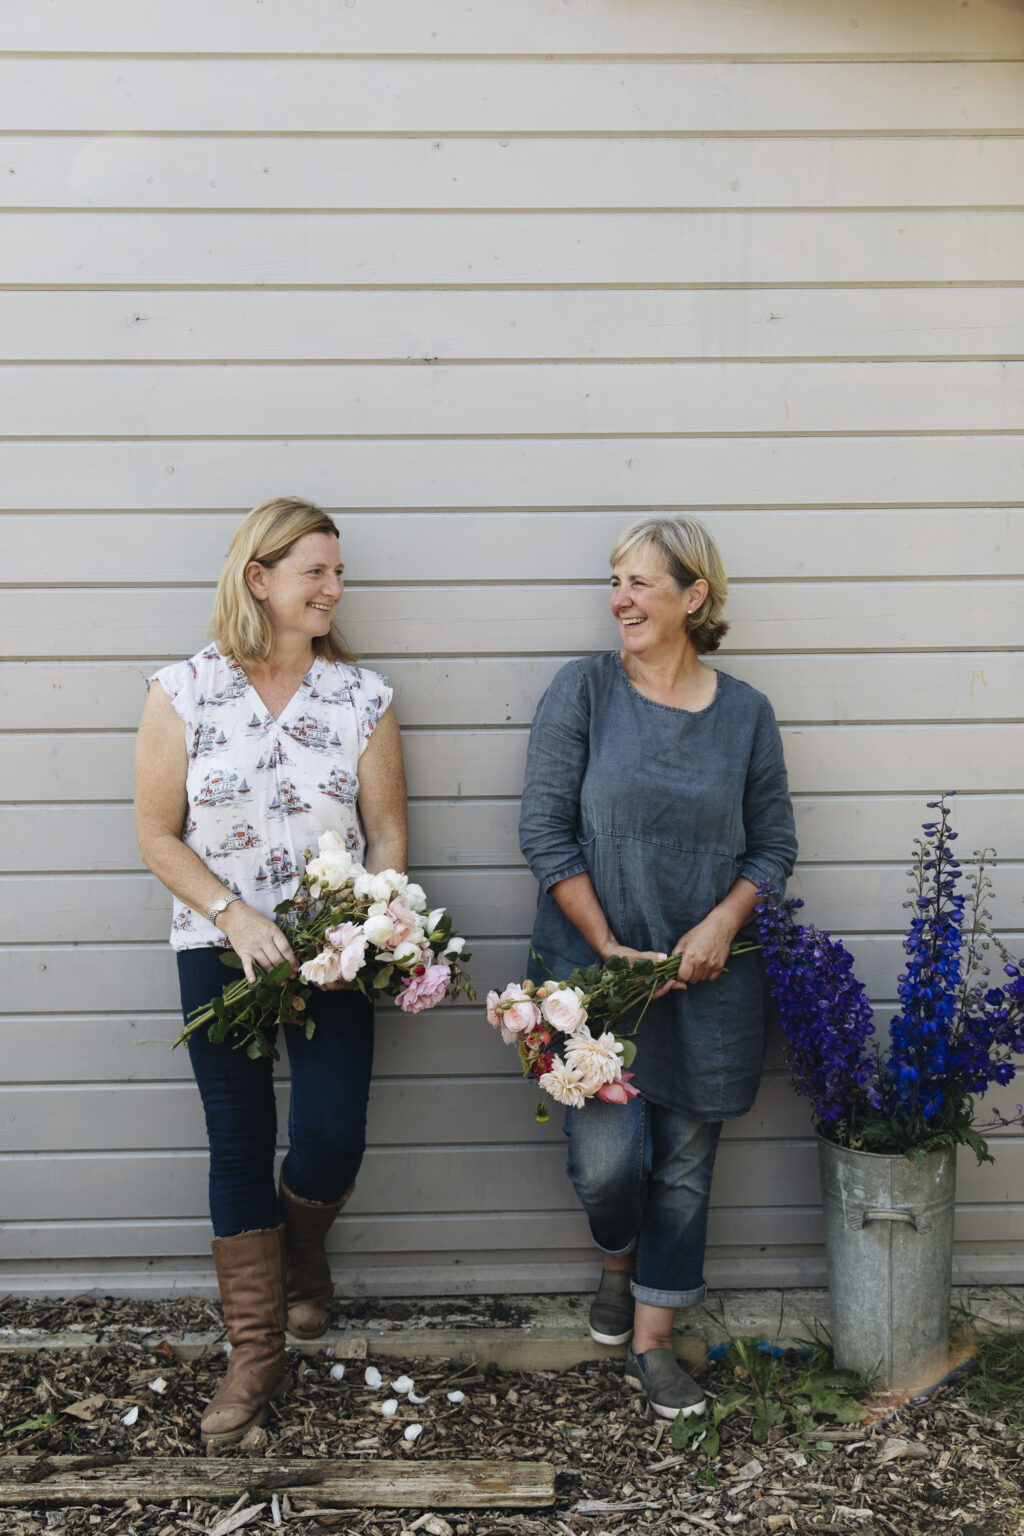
point(937, 1465)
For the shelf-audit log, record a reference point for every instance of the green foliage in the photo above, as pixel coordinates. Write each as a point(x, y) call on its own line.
point(44, 1421)
point(992, 1380)
point(775, 1389)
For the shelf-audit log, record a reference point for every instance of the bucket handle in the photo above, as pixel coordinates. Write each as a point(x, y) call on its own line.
point(914, 1219)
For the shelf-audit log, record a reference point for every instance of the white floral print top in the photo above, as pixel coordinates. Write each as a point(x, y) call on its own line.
point(260, 790)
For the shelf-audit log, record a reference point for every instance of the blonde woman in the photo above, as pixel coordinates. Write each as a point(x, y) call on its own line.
point(246, 753)
point(655, 804)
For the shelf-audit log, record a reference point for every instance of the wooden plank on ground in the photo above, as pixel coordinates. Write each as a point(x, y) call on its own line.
point(381, 1484)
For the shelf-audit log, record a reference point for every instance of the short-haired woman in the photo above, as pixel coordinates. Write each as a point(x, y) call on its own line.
point(246, 753)
point(654, 806)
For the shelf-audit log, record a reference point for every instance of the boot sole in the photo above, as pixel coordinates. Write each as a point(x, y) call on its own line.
point(213, 1439)
point(307, 1333)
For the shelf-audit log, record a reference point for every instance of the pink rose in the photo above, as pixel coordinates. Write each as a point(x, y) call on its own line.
point(619, 1092)
point(493, 1012)
point(523, 1014)
point(426, 991)
point(405, 922)
point(350, 940)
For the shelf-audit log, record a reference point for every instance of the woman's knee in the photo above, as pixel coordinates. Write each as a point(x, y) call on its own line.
point(605, 1161)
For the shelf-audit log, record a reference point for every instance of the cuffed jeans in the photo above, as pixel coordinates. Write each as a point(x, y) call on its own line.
point(643, 1176)
point(330, 1084)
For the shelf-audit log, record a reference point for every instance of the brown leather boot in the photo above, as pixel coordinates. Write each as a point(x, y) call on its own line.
point(308, 1288)
point(250, 1276)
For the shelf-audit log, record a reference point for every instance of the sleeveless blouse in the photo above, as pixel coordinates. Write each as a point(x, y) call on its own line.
point(261, 791)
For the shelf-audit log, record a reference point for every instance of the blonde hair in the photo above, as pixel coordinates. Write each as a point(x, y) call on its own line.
point(690, 554)
point(238, 625)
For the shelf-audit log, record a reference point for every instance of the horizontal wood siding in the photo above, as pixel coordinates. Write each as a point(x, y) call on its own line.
point(488, 281)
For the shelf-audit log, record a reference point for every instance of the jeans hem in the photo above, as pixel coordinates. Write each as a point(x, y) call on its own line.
point(654, 1298)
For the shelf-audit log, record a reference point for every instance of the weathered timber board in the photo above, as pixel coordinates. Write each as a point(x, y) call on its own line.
point(384, 1484)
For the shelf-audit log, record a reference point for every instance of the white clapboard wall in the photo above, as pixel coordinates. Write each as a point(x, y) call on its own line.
point(488, 280)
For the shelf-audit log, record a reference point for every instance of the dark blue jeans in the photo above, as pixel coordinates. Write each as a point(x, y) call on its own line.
point(643, 1175)
point(330, 1083)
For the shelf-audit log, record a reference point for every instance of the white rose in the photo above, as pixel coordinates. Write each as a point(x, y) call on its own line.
point(376, 887)
point(595, 1061)
point(329, 871)
point(323, 969)
point(415, 896)
point(376, 908)
point(452, 948)
point(378, 929)
point(407, 953)
point(564, 1085)
point(564, 1010)
point(432, 919)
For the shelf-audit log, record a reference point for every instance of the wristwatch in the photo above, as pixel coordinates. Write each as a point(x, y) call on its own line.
point(218, 906)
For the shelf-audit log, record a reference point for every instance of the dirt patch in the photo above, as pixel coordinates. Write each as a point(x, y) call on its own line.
point(934, 1466)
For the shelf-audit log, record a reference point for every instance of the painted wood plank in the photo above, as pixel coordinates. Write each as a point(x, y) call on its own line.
point(77, 171)
point(354, 1240)
point(172, 1186)
point(464, 1275)
point(498, 620)
point(488, 902)
point(916, 28)
point(622, 472)
point(102, 1117)
point(579, 400)
point(119, 978)
point(189, 548)
point(334, 1484)
point(136, 1047)
point(453, 766)
point(93, 1048)
point(92, 325)
point(373, 95)
point(698, 249)
point(810, 689)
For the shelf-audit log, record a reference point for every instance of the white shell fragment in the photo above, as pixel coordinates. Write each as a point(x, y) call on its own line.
point(390, 1407)
point(403, 1385)
point(131, 1416)
point(413, 1431)
point(456, 1397)
point(337, 1372)
point(414, 1399)
point(159, 1385)
point(373, 1378)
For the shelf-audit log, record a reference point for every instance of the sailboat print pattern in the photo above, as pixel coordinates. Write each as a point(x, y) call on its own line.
point(260, 790)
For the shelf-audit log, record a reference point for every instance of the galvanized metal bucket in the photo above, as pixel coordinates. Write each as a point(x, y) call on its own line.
point(889, 1244)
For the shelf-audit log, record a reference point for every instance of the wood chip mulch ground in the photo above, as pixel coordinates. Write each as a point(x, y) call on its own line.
point(937, 1465)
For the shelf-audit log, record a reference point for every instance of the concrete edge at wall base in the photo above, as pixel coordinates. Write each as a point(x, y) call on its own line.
point(545, 1333)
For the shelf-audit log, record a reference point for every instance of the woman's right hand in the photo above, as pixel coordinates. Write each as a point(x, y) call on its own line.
point(254, 938)
point(643, 954)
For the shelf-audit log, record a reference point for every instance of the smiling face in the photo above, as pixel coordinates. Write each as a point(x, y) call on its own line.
point(650, 607)
point(299, 594)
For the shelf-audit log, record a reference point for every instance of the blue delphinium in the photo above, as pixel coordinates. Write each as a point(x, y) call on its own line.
point(955, 1035)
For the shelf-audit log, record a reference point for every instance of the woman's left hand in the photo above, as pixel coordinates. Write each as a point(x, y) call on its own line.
point(702, 952)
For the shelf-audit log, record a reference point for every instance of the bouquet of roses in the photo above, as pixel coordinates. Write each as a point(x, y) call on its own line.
point(344, 924)
point(569, 1034)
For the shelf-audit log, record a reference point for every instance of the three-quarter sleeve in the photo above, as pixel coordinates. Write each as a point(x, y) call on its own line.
point(767, 809)
point(555, 764)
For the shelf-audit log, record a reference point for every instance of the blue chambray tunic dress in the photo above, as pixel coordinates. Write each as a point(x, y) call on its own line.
point(665, 809)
